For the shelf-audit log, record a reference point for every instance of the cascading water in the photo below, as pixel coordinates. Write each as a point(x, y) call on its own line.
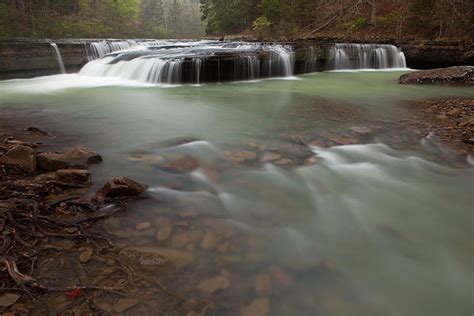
point(190, 62)
point(99, 49)
point(59, 58)
point(366, 56)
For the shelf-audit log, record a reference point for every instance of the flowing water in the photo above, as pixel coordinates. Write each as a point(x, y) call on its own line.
point(59, 58)
point(366, 230)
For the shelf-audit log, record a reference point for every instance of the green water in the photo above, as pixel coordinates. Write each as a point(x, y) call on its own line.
point(368, 230)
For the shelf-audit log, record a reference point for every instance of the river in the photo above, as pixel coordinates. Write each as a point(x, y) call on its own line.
point(377, 226)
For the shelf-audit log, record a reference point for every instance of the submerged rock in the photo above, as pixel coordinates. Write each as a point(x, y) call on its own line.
point(461, 75)
point(143, 226)
point(21, 156)
point(263, 284)
point(219, 282)
point(122, 187)
point(182, 164)
point(150, 256)
point(271, 155)
point(164, 228)
point(77, 157)
point(259, 307)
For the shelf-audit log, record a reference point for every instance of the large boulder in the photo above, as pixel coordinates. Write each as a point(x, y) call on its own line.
point(462, 75)
point(77, 157)
point(122, 187)
point(21, 156)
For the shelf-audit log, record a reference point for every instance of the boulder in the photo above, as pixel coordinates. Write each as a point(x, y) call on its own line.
point(122, 187)
point(77, 157)
point(461, 75)
point(21, 156)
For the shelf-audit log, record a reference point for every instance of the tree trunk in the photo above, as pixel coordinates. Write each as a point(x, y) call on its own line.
point(374, 12)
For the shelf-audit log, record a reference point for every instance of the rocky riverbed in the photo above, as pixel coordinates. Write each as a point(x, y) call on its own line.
point(72, 248)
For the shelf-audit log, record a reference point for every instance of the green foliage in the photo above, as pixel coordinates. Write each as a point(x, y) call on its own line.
point(360, 22)
point(290, 18)
point(261, 23)
point(99, 18)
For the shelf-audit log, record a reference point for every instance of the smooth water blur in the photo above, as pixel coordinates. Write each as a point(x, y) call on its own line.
point(367, 230)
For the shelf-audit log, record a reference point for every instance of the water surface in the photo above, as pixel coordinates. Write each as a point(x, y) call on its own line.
point(367, 230)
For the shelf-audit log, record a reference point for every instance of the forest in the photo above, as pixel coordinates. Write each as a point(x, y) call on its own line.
point(359, 18)
point(101, 18)
point(262, 19)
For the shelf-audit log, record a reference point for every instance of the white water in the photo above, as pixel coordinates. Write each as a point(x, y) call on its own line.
point(164, 62)
point(367, 56)
point(59, 58)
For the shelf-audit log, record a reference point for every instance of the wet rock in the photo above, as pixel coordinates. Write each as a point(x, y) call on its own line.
point(77, 157)
point(12, 141)
point(72, 176)
point(211, 285)
point(271, 156)
point(241, 156)
point(38, 131)
point(21, 156)
point(164, 228)
point(143, 226)
point(281, 276)
point(8, 299)
point(339, 139)
point(461, 75)
point(311, 160)
point(182, 164)
point(259, 307)
point(283, 162)
point(85, 255)
point(122, 187)
point(124, 304)
point(318, 143)
point(263, 285)
point(362, 130)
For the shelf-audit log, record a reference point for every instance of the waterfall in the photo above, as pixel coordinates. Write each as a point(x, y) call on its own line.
point(310, 61)
point(58, 58)
point(99, 49)
point(191, 62)
point(366, 56)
